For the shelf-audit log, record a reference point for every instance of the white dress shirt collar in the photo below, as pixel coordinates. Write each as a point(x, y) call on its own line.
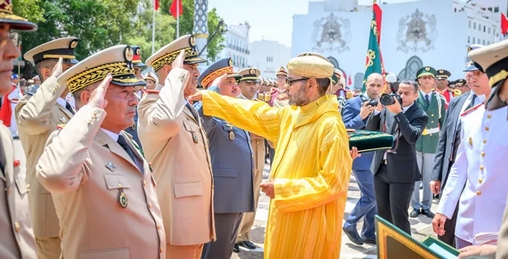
point(113, 135)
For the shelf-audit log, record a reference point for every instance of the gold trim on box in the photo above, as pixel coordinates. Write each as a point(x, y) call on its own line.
point(383, 231)
point(96, 74)
point(169, 57)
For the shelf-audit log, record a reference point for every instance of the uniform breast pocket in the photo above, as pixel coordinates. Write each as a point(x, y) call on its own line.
point(189, 189)
point(116, 181)
point(191, 129)
point(20, 183)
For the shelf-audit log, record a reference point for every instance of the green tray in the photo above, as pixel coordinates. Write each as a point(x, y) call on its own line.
point(366, 141)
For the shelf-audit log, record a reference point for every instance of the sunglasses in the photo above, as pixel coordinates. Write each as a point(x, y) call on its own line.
point(290, 81)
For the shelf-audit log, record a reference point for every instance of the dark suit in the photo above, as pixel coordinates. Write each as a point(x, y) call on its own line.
point(394, 178)
point(232, 167)
point(366, 205)
point(445, 156)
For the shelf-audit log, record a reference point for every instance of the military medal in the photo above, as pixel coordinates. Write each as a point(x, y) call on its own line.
point(111, 166)
point(122, 198)
point(231, 133)
point(133, 127)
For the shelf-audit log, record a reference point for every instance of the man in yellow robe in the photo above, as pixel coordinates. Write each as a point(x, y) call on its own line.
point(310, 174)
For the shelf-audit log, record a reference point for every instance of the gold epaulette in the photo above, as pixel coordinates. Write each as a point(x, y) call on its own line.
point(468, 111)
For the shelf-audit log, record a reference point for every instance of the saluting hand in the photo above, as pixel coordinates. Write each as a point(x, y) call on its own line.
point(198, 96)
point(58, 69)
point(97, 97)
point(178, 62)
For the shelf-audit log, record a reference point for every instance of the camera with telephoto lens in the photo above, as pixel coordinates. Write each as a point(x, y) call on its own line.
point(387, 99)
point(372, 102)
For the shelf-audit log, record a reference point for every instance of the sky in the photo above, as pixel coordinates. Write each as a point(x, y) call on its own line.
point(269, 19)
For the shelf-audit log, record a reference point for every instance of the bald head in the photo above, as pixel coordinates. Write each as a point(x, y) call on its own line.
point(374, 85)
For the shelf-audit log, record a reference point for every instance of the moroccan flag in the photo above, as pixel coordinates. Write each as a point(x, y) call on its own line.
point(176, 8)
point(349, 82)
point(156, 5)
point(374, 60)
point(504, 24)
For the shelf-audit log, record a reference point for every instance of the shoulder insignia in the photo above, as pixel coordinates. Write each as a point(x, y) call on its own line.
point(60, 126)
point(468, 111)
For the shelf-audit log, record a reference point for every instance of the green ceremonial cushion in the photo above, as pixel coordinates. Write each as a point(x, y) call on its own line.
point(366, 141)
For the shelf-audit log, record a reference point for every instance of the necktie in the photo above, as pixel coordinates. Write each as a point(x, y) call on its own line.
point(427, 98)
point(472, 103)
point(123, 143)
point(69, 108)
point(193, 111)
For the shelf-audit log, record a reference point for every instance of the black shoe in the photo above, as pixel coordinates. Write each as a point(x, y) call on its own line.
point(370, 241)
point(247, 244)
point(414, 213)
point(428, 213)
point(236, 248)
point(353, 236)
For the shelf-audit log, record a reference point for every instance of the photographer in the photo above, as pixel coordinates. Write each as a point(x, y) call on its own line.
point(355, 115)
point(395, 171)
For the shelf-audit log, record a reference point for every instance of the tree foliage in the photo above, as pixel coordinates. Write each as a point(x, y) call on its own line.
point(103, 23)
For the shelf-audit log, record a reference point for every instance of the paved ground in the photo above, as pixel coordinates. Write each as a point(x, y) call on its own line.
point(421, 226)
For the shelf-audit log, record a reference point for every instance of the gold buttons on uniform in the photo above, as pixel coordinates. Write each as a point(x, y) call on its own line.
point(28, 186)
point(432, 122)
point(432, 115)
point(158, 226)
point(484, 141)
point(481, 167)
point(478, 193)
point(482, 153)
point(480, 180)
point(150, 205)
point(487, 128)
point(489, 116)
point(144, 183)
point(120, 185)
point(161, 249)
point(17, 227)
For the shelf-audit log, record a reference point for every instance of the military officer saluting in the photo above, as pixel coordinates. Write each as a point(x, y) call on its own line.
point(279, 97)
point(38, 114)
point(176, 145)
point(102, 186)
point(16, 240)
point(433, 104)
point(232, 164)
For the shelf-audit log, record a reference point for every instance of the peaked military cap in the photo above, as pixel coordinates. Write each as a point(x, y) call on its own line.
point(443, 74)
point(150, 76)
point(426, 71)
point(309, 64)
point(493, 59)
point(250, 74)
point(55, 49)
point(459, 82)
point(473, 66)
point(217, 69)
point(16, 22)
point(116, 60)
point(168, 53)
point(136, 59)
point(281, 71)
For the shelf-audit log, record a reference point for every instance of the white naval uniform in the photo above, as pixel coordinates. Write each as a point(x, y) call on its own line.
point(480, 164)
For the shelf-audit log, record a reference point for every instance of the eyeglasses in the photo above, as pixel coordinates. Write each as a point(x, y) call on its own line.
point(290, 81)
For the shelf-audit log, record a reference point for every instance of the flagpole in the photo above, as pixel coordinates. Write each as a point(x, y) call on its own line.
point(153, 28)
point(177, 19)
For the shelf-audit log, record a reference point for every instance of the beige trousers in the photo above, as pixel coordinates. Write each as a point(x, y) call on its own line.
point(48, 247)
point(258, 148)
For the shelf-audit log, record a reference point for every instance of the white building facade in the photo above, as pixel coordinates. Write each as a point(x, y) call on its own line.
point(268, 56)
point(236, 46)
point(413, 34)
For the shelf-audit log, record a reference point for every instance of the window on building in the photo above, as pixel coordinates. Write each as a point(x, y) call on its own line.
point(496, 9)
point(483, 42)
point(468, 39)
point(474, 26)
point(269, 59)
point(489, 30)
point(484, 29)
point(474, 40)
point(469, 24)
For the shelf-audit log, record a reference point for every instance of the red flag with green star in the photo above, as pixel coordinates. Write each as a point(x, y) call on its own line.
point(374, 59)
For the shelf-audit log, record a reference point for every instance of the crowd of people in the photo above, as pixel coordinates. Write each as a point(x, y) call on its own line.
point(154, 159)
